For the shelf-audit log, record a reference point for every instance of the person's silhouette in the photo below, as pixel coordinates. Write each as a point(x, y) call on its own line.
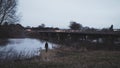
point(46, 46)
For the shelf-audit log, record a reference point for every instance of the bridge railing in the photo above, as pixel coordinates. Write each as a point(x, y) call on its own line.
point(69, 30)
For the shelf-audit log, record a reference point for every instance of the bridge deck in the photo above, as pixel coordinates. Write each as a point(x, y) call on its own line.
point(82, 32)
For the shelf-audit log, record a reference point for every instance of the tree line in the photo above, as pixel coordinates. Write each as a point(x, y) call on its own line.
point(72, 26)
point(77, 26)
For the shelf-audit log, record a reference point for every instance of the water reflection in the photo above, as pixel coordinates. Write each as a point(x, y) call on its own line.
point(26, 46)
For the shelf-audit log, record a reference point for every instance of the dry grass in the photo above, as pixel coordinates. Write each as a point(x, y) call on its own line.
point(85, 59)
point(69, 58)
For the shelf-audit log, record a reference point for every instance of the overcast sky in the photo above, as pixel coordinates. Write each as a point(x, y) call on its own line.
point(58, 13)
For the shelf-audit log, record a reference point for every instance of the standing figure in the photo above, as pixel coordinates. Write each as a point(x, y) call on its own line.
point(46, 46)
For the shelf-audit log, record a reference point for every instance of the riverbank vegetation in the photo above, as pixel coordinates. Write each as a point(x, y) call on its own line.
point(66, 57)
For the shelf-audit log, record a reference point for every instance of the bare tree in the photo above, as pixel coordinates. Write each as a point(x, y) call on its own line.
point(41, 26)
point(8, 11)
point(75, 25)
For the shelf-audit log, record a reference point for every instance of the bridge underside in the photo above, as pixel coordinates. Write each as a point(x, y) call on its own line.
point(98, 37)
point(89, 40)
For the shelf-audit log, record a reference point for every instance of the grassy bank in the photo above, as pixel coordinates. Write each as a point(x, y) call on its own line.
point(69, 58)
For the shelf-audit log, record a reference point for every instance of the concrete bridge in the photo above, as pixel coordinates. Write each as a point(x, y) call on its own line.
point(78, 35)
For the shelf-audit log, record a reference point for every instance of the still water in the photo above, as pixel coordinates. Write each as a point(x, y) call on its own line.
point(26, 47)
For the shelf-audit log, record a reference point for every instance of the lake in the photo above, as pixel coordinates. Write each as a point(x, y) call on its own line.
point(23, 47)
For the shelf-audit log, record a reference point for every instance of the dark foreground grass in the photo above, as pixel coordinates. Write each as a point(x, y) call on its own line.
point(69, 58)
